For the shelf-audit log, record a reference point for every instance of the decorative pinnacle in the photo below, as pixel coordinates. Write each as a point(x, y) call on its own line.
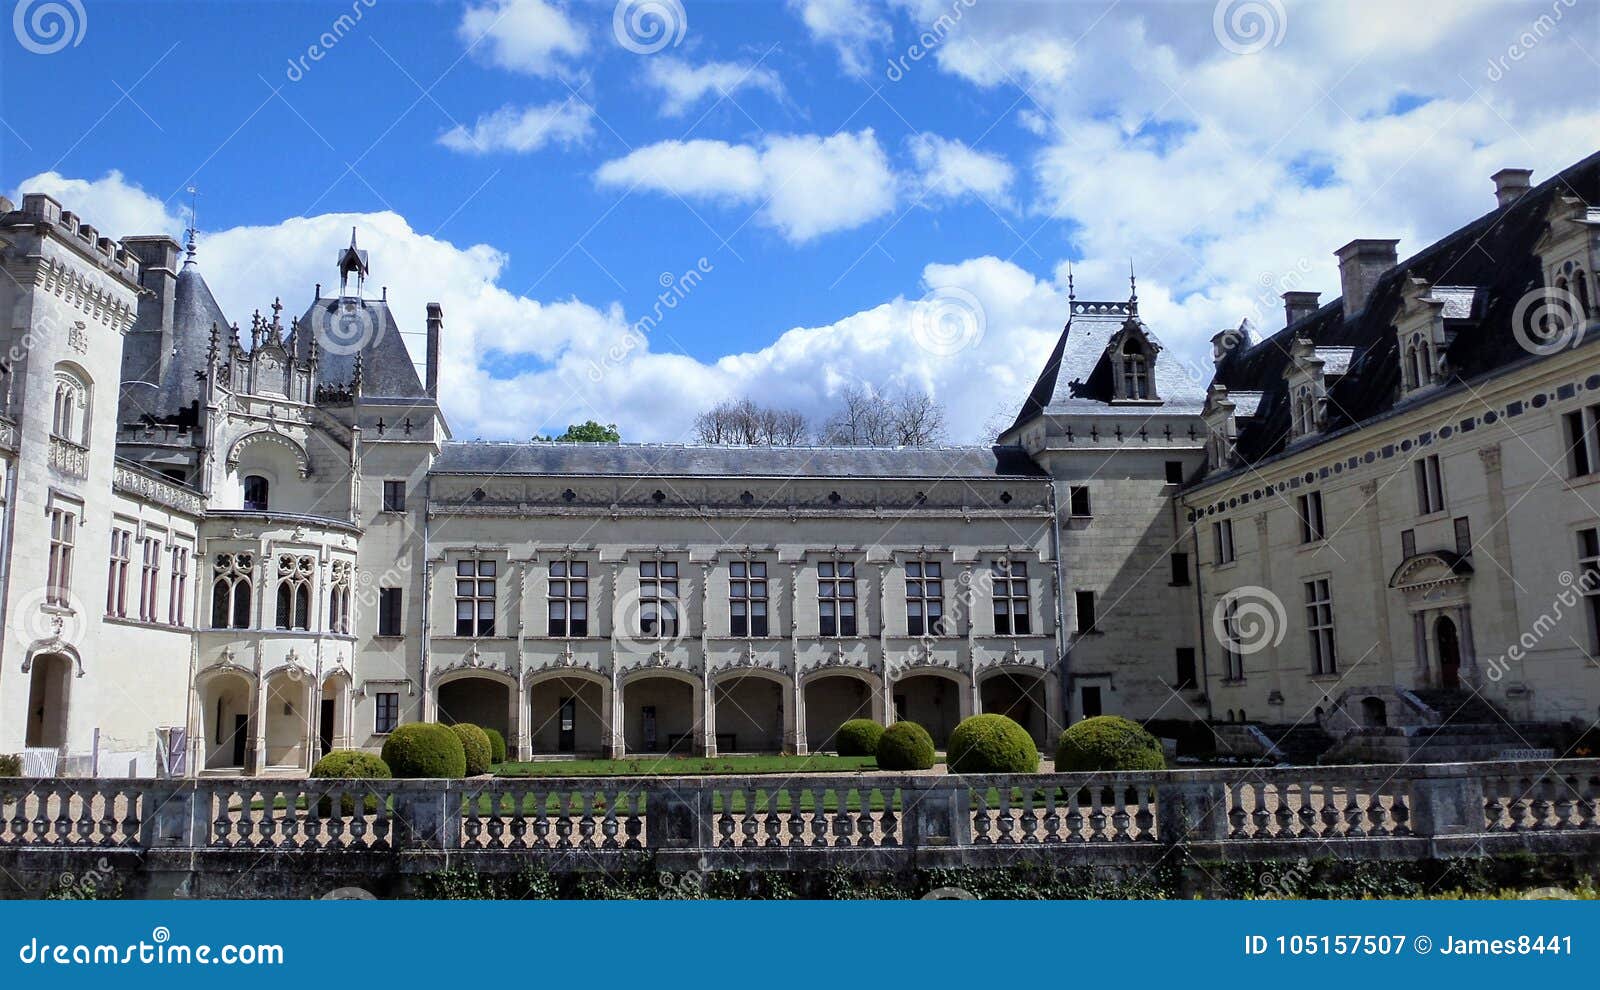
point(193, 228)
point(1133, 290)
point(1072, 293)
point(277, 308)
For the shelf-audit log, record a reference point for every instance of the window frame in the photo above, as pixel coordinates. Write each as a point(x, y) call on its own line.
point(1077, 494)
point(391, 612)
point(1081, 596)
point(561, 577)
point(742, 594)
point(482, 600)
point(1583, 441)
point(1428, 477)
point(1009, 593)
point(385, 710)
point(394, 495)
point(179, 559)
point(1588, 582)
point(149, 578)
point(925, 615)
point(259, 501)
point(1313, 521)
point(660, 615)
point(1222, 547)
point(121, 561)
point(1324, 651)
point(63, 544)
point(832, 576)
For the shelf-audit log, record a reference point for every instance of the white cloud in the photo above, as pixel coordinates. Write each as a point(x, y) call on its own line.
point(567, 123)
point(807, 185)
point(683, 85)
point(851, 27)
point(531, 36)
point(950, 169)
point(111, 205)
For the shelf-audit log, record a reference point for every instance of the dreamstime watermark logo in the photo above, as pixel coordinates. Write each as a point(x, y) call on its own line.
point(47, 27)
point(1288, 883)
point(1542, 27)
point(45, 616)
point(1245, 27)
point(929, 39)
point(674, 290)
point(1548, 320)
point(1248, 620)
point(688, 885)
point(947, 321)
point(1574, 590)
point(329, 39)
point(345, 327)
point(84, 886)
point(1548, 894)
point(649, 625)
point(647, 26)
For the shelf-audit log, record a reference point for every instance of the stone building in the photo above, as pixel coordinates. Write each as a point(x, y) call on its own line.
point(229, 550)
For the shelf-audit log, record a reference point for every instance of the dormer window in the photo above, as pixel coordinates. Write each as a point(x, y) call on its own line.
point(1133, 356)
point(1303, 413)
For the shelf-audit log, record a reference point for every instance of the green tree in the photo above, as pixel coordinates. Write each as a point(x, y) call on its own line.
point(588, 432)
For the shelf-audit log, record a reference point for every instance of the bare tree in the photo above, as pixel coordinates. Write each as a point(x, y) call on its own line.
point(870, 417)
point(742, 421)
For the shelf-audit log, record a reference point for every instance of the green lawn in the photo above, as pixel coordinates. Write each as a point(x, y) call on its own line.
point(686, 766)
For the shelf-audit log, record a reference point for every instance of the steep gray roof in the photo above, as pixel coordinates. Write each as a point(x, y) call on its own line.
point(652, 460)
point(194, 313)
point(386, 368)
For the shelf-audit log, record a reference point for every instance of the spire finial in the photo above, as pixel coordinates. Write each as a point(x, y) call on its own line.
point(193, 228)
point(1133, 290)
point(1072, 293)
point(352, 238)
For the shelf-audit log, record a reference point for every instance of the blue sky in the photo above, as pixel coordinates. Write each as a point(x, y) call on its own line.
point(857, 211)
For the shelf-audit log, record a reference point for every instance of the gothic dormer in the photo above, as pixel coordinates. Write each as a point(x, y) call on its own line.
point(1423, 331)
point(1569, 254)
point(1305, 387)
point(1222, 428)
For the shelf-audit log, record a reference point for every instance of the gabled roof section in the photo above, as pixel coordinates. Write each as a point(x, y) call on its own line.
point(347, 329)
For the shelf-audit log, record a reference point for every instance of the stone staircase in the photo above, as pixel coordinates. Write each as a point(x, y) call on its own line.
point(1300, 744)
point(1460, 726)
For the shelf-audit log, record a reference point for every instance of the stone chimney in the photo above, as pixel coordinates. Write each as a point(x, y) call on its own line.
point(435, 328)
point(1299, 305)
point(1361, 264)
point(1510, 184)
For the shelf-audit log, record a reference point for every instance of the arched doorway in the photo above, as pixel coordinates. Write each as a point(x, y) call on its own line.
point(1444, 631)
point(570, 713)
point(1374, 713)
point(1021, 697)
point(834, 699)
point(225, 722)
point(750, 713)
point(660, 715)
point(333, 722)
point(288, 721)
point(49, 689)
point(933, 701)
point(481, 701)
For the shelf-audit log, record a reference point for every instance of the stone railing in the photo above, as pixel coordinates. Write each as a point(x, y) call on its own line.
point(68, 458)
point(383, 831)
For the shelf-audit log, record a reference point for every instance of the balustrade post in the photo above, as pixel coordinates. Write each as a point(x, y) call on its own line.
point(937, 812)
point(1191, 811)
point(680, 818)
point(173, 815)
point(1447, 805)
point(428, 817)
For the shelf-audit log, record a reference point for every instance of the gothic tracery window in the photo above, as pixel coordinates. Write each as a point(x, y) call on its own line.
point(231, 590)
point(339, 597)
point(294, 591)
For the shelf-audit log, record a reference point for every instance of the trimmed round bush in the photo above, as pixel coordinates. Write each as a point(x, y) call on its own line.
point(475, 745)
point(991, 744)
point(906, 746)
point(497, 746)
point(10, 764)
point(859, 737)
point(1108, 742)
point(425, 749)
point(350, 764)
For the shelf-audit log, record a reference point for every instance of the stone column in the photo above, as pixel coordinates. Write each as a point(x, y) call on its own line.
point(1419, 637)
point(257, 757)
point(966, 698)
point(1052, 712)
point(887, 699)
point(1503, 577)
point(797, 715)
point(706, 702)
point(791, 736)
point(1469, 651)
point(1373, 505)
point(612, 701)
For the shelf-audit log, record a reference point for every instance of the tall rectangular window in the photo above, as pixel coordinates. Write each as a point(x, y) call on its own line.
point(1010, 598)
point(1078, 501)
point(1312, 527)
point(63, 537)
point(658, 599)
point(1589, 581)
point(836, 598)
point(475, 595)
point(1084, 600)
point(178, 587)
point(1232, 656)
point(1583, 441)
point(149, 579)
point(1186, 671)
point(569, 598)
point(924, 598)
point(1180, 569)
point(391, 619)
point(1430, 485)
point(1463, 536)
point(117, 578)
point(747, 598)
point(394, 496)
point(1319, 627)
point(1222, 540)
point(388, 712)
point(1408, 543)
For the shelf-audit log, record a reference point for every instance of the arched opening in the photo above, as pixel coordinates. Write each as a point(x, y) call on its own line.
point(69, 418)
point(831, 701)
point(288, 721)
point(257, 490)
point(569, 715)
point(49, 690)
point(333, 730)
point(749, 714)
point(1444, 632)
point(481, 701)
point(294, 591)
point(231, 590)
point(225, 722)
point(1019, 697)
point(658, 715)
point(930, 700)
point(1374, 713)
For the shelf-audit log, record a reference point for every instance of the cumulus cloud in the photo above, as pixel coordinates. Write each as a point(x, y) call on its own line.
point(806, 185)
point(111, 204)
point(949, 169)
point(567, 123)
point(683, 85)
point(529, 36)
point(850, 27)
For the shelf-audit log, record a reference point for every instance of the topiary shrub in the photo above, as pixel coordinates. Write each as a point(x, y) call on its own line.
point(10, 765)
point(991, 744)
point(350, 764)
point(858, 737)
point(497, 746)
point(906, 746)
point(425, 749)
point(475, 743)
point(1108, 742)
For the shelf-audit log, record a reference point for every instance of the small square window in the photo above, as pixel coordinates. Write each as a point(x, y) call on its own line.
point(388, 712)
point(1078, 501)
point(1174, 472)
point(394, 496)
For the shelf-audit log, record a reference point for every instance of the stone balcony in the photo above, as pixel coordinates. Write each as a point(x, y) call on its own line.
point(68, 458)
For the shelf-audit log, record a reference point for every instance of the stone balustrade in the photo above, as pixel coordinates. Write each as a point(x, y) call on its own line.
point(804, 821)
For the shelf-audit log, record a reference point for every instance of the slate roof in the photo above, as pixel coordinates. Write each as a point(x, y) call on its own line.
point(679, 461)
point(386, 368)
point(1481, 270)
point(1077, 376)
point(148, 389)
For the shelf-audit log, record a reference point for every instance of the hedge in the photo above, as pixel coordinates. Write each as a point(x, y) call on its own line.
point(906, 746)
point(475, 744)
point(497, 746)
point(991, 744)
point(425, 749)
point(859, 737)
point(1108, 742)
point(350, 764)
point(10, 765)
